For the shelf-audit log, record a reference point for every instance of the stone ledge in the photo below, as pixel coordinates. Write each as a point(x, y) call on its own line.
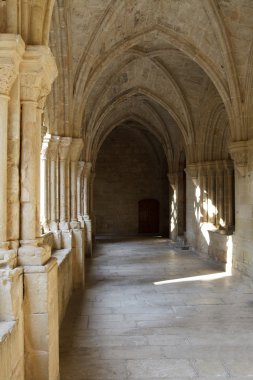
point(40, 268)
point(61, 255)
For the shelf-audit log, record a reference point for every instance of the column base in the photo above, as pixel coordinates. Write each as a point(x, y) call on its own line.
point(64, 226)
point(33, 252)
point(75, 225)
point(53, 226)
point(45, 227)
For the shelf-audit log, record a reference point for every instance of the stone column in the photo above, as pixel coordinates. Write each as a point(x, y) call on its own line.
point(11, 51)
point(38, 70)
point(220, 219)
point(44, 183)
point(228, 194)
point(75, 151)
point(53, 160)
point(80, 168)
point(64, 156)
point(173, 181)
point(212, 207)
point(204, 190)
point(91, 204)
point(86, 207)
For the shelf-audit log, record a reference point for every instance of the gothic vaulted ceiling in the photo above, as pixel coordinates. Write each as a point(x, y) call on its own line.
point(182, 69)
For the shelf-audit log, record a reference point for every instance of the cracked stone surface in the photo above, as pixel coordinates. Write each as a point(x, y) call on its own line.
point(125, 327)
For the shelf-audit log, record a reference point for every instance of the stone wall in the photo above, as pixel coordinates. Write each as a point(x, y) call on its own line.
point(11, 325)
point(128, 169)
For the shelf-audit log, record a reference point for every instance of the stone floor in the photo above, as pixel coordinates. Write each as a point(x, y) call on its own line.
point(126, 327)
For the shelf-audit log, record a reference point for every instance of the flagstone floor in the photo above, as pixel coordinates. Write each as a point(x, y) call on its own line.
point(132, 322)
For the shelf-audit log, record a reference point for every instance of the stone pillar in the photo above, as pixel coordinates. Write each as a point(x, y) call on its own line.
point(86, 207)
point(80, 168)
point(38, 70)
point(64, 156)
point(11, 51)
point(75, 151)
point(53, 183)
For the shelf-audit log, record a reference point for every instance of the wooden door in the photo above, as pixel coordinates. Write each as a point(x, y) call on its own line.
point(149, 216)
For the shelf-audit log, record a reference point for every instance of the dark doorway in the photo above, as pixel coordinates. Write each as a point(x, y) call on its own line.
point(149, 216)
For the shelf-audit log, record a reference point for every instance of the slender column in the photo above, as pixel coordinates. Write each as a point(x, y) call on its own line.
point(173, 180)
point(86, 195)
point(44, 183)
point(80, 168)
point(220, 219)
point(64, 151)
point(86, 208)
point(91, 204)
point(204, 195)
point(75, 151)
point(228, 191)
point(212, 207)
point(13, 207)
point(11, 51)
point(53, 156)
point(3, 171)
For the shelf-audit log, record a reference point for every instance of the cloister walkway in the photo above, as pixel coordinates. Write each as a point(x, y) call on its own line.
point(124, 326)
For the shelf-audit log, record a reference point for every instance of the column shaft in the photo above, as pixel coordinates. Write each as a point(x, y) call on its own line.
point(3, 171)
point(29, 171)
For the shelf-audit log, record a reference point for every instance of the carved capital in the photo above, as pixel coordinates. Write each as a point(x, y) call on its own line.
point(87, 168)
point(173, 177)
point(38, 71)
point(54, 147)
point(80, 168)
point(75, 149)
point(45, 147)
point(192, 170)
point(12, 48)
point(239, 153)
point(64, 147)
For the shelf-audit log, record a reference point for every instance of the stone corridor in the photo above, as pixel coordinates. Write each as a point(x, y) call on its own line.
point(126, 327)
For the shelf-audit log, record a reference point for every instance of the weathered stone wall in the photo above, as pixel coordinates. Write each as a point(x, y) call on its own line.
point(127, 171)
